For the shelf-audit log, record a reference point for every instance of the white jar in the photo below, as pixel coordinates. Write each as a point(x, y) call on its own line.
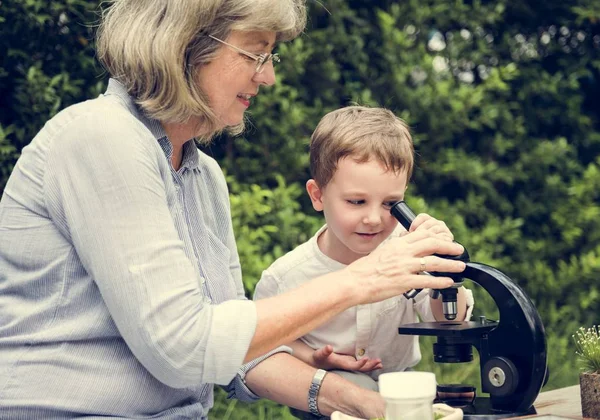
point(408, 395)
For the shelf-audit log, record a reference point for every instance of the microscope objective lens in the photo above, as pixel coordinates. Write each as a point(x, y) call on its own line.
point(449, 309)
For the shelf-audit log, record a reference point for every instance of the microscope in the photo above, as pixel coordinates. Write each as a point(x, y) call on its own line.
point(512, 351)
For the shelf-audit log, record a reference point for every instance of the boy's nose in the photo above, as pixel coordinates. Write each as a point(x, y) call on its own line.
point(373, 217)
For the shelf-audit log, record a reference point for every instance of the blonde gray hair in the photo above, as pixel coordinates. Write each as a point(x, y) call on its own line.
point(363, 134)
point(153, 47)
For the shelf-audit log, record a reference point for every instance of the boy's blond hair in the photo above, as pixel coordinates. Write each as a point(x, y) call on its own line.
point(362, 133)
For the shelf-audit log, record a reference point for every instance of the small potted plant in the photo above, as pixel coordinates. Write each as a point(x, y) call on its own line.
point(587, 343)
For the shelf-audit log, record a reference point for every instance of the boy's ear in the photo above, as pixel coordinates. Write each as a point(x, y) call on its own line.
point(315, 194)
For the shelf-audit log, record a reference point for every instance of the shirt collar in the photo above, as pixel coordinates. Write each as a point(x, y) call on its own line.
point(190, 151)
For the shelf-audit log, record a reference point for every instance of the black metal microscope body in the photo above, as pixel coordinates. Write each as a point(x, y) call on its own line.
point(512, 351)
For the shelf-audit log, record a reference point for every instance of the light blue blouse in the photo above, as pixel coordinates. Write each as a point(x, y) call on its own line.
point(120, 283)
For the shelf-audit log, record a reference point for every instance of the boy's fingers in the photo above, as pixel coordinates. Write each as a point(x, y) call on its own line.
point(356, 365)
point(431, 224)
point(323, 353)
point(419, 220)
point(435, 225)
point(436, 245)
point(447, 236)
point(427, 242)
point(413, 237)
point(366, 366)
point(371, 365)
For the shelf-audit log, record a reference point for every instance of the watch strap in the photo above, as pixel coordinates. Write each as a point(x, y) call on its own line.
point(313, 391)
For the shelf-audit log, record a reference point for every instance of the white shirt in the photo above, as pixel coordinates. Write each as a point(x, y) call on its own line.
point(120, 285)
point(362, 331)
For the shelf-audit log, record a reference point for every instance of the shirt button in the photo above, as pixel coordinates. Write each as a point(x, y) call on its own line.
point(206, 299)
point(361, 352)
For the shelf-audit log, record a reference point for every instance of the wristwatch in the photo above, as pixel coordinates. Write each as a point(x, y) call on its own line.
point(313, 391)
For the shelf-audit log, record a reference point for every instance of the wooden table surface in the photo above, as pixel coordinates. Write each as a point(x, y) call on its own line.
point(564, 402)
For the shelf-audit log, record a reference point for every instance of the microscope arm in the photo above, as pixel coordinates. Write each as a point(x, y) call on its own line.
point(516, 348)
point(513, 358)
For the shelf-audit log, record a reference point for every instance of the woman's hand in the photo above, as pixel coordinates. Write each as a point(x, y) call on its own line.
point(325, 358)
point(372, 405)
point(394, 267)
point(390, 270)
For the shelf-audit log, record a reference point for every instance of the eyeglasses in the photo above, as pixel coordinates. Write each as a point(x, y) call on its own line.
point(260, 59)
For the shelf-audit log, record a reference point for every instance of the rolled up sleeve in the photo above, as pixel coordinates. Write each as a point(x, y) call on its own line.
point(238, 389)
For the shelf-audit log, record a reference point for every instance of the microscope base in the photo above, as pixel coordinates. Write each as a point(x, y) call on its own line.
point(481, 409)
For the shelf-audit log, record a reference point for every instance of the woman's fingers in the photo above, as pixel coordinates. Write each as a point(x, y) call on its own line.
point(394, 267)
point(436, 264)
point(399, 258)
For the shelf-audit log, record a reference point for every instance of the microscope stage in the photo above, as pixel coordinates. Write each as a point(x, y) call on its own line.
point(448, 328)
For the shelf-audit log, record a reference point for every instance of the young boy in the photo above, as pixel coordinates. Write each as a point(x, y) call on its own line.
point(361, 160)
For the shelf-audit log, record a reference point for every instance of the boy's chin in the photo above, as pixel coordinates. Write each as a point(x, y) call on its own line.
point(363, 251)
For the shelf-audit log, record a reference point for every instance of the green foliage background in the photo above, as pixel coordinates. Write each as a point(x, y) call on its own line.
point(503, 98)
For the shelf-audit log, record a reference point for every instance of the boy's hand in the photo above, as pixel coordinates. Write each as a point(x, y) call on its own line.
point(325, 358)
point(426, 222)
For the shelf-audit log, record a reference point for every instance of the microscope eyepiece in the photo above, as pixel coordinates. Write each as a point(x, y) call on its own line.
point(405, 217)
point(403, 214)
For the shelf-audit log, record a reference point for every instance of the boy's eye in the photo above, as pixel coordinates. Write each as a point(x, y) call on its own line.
point(356, 202)
point(389, 204)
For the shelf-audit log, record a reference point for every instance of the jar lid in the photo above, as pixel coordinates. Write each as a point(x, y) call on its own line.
point(407, 385)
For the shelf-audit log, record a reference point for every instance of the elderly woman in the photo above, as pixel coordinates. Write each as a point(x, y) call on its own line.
point(120, 283)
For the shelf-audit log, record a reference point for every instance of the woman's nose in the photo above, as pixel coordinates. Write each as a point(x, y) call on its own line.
point(267, 76)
